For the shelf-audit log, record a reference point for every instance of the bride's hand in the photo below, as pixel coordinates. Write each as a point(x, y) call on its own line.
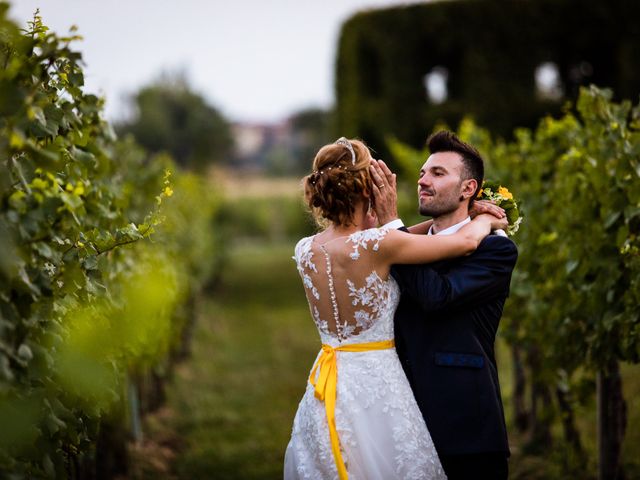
point(495, 222)
point(485, 206)
point(384, 191)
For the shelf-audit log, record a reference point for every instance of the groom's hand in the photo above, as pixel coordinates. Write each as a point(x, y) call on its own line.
point(384, 192)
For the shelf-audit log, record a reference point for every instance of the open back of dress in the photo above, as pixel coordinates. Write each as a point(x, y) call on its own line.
point(349, 297)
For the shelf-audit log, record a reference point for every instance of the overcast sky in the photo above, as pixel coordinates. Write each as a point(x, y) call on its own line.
point(255, 60)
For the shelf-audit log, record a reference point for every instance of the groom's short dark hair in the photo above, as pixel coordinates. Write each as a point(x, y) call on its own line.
point(473, 165)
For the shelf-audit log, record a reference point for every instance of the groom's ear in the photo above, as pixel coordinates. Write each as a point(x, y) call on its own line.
point(469, 188)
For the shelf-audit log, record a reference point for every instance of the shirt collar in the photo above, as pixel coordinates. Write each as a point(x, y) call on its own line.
point(452, 229)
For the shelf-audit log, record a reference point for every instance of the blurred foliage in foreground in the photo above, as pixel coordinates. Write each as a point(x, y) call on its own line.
point(573, 314)
point(98, 267)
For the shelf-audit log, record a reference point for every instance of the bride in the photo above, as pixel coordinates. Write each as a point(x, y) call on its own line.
point(358, 418)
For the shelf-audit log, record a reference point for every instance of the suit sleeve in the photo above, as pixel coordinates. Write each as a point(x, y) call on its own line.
point(483, 275)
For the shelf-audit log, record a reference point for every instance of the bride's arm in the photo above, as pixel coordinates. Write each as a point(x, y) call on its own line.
point(479, 207)
point(421, 228)
point(403, 248)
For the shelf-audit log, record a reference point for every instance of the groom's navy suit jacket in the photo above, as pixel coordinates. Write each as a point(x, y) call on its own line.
point(445, 328)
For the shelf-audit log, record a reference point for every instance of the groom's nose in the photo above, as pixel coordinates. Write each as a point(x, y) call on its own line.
point(423, 181)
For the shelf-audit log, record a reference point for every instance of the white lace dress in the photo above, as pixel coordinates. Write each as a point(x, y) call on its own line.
point(381, 430)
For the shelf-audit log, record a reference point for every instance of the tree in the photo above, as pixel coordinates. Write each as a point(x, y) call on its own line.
point(171, 117)
point(310, 130)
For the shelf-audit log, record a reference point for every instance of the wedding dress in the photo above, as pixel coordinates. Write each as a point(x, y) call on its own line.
point(380, 431)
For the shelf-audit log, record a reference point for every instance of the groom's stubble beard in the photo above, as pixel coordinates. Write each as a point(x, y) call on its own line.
point(442, 203)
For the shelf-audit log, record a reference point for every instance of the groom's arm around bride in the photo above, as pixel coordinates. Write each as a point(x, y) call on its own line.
point(448, 317)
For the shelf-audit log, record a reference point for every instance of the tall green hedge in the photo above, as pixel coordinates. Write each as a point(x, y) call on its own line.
point(491, 49)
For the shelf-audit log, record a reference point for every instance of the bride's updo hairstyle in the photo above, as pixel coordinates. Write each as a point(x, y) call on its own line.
point(340, 180)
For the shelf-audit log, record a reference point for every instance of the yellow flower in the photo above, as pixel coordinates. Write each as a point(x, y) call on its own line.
point(480, 193)
point(79, 190)
point(168, 191)
point(506, 194)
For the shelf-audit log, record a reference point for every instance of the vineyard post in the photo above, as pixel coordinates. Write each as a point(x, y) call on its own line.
point(612, 421)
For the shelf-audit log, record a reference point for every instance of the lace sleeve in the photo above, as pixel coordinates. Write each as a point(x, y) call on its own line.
point(366, 238)
point(304, 262)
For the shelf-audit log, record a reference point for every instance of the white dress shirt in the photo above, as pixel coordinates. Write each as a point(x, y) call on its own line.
point(452, 229)
point(398, 223)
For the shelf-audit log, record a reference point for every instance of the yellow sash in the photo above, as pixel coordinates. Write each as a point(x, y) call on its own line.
point(326, 385)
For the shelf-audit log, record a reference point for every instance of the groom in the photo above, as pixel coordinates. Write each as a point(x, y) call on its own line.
point(446, 323)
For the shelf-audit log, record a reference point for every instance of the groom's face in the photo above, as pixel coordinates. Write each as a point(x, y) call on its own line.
point(440, 184)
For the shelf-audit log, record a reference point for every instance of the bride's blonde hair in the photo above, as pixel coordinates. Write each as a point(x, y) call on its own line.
point(340, 180)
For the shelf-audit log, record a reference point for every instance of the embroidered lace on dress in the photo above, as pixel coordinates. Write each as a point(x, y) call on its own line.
point(382, 432)
point(345, 307)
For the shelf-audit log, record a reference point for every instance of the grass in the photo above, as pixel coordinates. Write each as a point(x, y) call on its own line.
point(252, 350)
point(231, 405)
point(257, 186)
